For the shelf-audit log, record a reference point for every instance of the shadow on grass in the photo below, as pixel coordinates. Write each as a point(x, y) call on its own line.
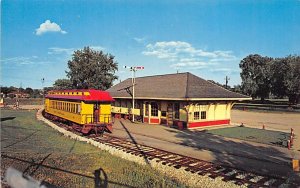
point(97, 178)
point(135, 143)
point(7, 118)
point(37, 166)
point(100, 182)
point(22, 140)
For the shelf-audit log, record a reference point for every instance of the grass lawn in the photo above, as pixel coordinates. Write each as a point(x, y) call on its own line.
point(253, 134)
point(39, 151)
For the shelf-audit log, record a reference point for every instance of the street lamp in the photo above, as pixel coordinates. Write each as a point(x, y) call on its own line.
point(133, 69)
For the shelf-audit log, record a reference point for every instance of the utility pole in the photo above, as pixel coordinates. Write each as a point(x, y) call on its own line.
point(43, 81)
point(133, 69)
point(226, 81)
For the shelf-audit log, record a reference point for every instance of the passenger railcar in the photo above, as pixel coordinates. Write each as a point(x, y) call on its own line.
point(86, 110)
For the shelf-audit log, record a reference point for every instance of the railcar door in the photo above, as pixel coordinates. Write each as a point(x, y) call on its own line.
point(96, 113)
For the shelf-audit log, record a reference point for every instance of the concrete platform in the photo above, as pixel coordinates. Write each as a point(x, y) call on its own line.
point(249, 156)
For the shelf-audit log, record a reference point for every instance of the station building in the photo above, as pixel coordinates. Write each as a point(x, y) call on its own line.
point(181, 99)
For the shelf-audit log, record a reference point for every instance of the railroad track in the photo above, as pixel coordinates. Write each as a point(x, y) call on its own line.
point(192, 165)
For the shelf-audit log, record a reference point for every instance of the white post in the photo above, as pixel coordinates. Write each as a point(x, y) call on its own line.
point(133, 69)
point(133, 83)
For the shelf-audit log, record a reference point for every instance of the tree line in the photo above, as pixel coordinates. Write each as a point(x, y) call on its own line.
point(33, 93)
point(262, 76)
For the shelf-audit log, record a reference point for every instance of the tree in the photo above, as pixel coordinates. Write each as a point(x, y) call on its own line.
point(62, 84)
point(37, 93)
point(279, 70)
point(92, 69)
point(7, 90)
point(292, 79)
point(256, 76)
point(29, 90)
point(237, 88)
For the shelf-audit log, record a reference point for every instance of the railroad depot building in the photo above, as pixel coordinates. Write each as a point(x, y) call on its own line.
point(181, 99)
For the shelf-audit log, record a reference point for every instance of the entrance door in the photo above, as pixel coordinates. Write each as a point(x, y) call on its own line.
point(170, 114)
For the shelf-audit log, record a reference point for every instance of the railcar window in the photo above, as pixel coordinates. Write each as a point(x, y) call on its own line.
point(78, 108)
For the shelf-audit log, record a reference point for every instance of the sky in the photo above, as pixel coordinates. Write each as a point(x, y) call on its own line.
point(208, 38)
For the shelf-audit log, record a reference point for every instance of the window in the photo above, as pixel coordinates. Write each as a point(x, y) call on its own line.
point(203, 114)
point(196, 115)
point(123, 104)
point(128, 104)
point(117, 103)
point(163, 113)
point(176, 109)
point(137, 104)
point(154, 109)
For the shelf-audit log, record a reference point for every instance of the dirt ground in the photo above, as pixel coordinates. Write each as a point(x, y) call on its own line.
point(272, 120)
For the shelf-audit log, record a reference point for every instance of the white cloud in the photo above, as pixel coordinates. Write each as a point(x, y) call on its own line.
point(139, 40)
point(225, 70)
point(97, 48)
point(58, 50)
point(70, 51)
point(183, 54)
point(193, 64)
point(47, 26)
point(18, 61)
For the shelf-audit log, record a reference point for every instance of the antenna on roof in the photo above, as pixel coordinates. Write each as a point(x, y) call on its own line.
point(226, 81)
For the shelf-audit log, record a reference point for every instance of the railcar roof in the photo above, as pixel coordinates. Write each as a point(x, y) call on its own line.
point(81, 95)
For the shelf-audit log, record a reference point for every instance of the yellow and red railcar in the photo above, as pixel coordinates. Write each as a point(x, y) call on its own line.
point(86, 110)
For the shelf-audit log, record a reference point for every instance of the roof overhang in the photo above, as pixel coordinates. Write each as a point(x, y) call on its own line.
point(186, 99)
